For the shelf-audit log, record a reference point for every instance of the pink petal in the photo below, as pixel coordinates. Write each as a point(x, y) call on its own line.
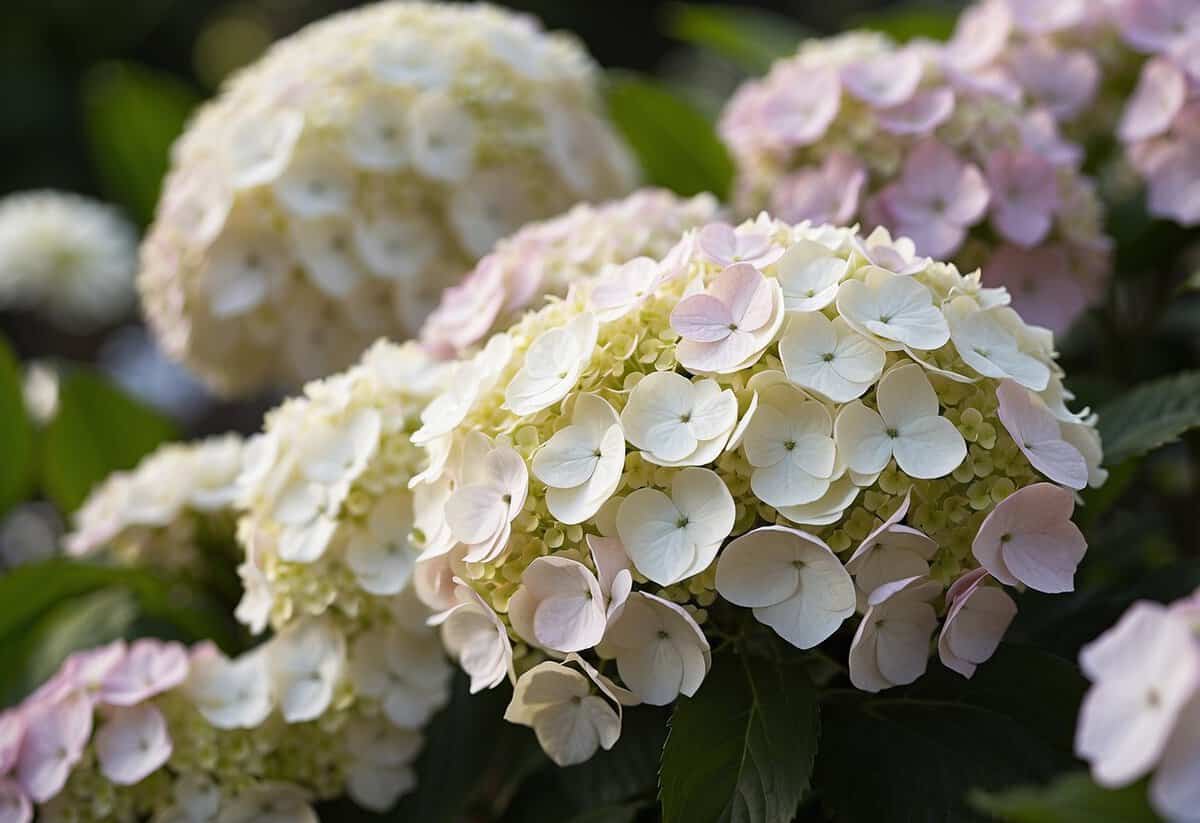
point(886, 80)
point(746, 293)
point(132, 744)
point(1039, 132)
point(1030, 538)
point(1045, 291)
point(1043, 16)
point(718, 242)
point(1160, 94)
point(14, 803)
point(1064, 81)
point(1024, 195)
point(980, 35)
point(12, 732)
point(828, 194)
point(921, 114)
point(151, 667)
point(1152, 25)
point(801, 114)
point(1175, 184)
point(55, 738)
point(701, 317)
point(1037, 434)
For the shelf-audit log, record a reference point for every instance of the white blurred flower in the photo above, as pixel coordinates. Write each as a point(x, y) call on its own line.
point(306, 661)
point(231, 694)
point(68, 256)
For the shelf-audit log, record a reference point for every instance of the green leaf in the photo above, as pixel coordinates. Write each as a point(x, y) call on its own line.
point(751, 38)
point(48, 609)
point(132, 114)
point(98, 429)
point(743, 748)
point(607, 814)
point(674, 141)
point(906, 23)
point(16, 433)
point(1150, 416)
point(625, 772)
point(1073, 798)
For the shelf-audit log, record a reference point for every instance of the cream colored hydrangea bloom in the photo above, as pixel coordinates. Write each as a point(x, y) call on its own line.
point(68, 256)
point(168, 510)
point(797, 420)
point(336, 186)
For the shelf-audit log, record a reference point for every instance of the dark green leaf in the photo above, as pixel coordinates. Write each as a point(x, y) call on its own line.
point(132, 114)
point(16, 433)
point(906, 23)
point(41, 621)
point(98, 429)
point(1073, 798)
point(1150, 416)
point(674, 142)
point(751, 38)
point(742, 749)
point(607, 814)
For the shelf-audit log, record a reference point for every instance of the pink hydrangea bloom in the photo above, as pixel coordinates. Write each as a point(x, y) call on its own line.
point(1046, 290)
point(1024, 195)
point(825, 194)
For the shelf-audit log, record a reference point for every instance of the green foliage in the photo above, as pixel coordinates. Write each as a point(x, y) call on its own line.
point(751, 38)
point(1150, 416)
point(908, 22)
point(1073, 798)
point(743, 748)
point(921, 750)
point(98, 429)
point(50, 609)
point(16, 433)
point(674, 142)
point(132, 115)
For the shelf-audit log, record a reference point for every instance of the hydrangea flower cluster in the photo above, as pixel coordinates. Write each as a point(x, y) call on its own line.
point(544, 258)
point(1075, 63)
point(335, 187)
point(68, 256)
point(855, 128)
point(1142, 713)
point(793, 419)
point(168, 511)
point(153, 730)
point(326, 509)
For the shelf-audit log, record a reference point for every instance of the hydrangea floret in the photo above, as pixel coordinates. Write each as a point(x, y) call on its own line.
point(171, 511)
point(336, 186)
point(856, 128)
point(780, 417)
point(1142, 712)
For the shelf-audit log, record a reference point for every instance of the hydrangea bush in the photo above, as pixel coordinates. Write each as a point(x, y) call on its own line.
point(336, 186)
point(856, 128)
point(799, 420)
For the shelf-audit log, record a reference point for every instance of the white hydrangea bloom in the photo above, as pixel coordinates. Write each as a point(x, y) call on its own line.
point(159, 512)
point(337, 185)
point(68, 256)
point(777, 417)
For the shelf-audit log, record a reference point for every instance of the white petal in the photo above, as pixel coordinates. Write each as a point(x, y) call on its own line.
point(657, 416)
point(132, 743)
point(652, 531)
point(862, 438)
point(443, 138)
point(929, 447)
point(568, 458)
point(316, 183)
point(704, 499)
point(306, 661)
point(905, 396)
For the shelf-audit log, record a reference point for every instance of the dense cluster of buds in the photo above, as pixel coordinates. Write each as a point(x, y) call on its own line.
point(1142, 713)
point(855, 128)
point(336, 186)
point(798, 420)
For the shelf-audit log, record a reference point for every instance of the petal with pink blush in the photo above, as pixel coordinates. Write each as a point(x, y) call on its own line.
point(12, 732)
point(725, 245)
point(55, 738)
point(151, 667)
point(1042, 17)
point(14, 803)
point(825, 194)
point(132, 743)
point(1029, 538)
point(1175, 183)
point(1039, 437)
point(802, 113)
point(701, 317)
point(977, 618)
point(1045, 290)
point(980, 35)
point(1063, 81)
point(1159, 96)
point(886, 80)
point(1024, 195)
point(920, 114)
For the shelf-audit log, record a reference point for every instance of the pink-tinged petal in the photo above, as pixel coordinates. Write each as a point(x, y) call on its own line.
point(1029, 537)
point(826, 194)
point(1024, 195)
point(14, 803)
point(151, 667)
point(980, 35)
point(1175, 789)
point(1153, 26)
point(886, 80)
point(1039, 132)
point(609, 558)
point(702, 317)
point(976, 621)
point(1159, 96)
point(12, 732)
point(1045, 291)
point(1045, 16)
point(1039, 437)
point(1175, 183)
point(743, 289)
point(132, 744)
point(55, 738)
point(921, 114)
point(1063, 81)
point(801, 114)
point(718, 242)
point(467, 310)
